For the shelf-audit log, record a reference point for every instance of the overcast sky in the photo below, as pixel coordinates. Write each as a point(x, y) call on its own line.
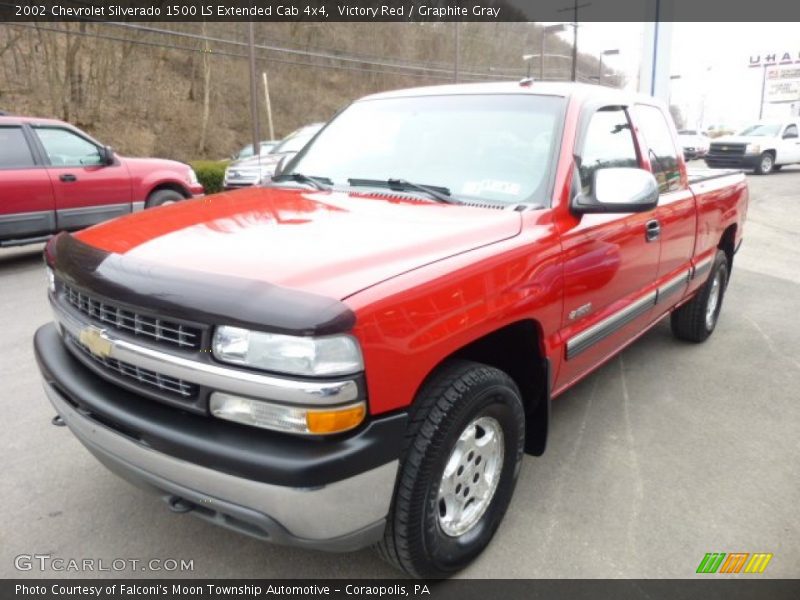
point(711, 58)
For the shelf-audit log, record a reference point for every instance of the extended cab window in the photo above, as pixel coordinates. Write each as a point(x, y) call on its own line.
point(790, 132)
point(14, 149)
point(67, 149)
point(608, 143)
point(661, 148)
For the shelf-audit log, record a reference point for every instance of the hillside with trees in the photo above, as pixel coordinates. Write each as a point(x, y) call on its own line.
point(182, 90)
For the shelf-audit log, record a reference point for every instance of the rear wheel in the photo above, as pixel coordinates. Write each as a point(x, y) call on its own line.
point(695, 321)
point(460, 464)
point(162, 197)
point(766, 163)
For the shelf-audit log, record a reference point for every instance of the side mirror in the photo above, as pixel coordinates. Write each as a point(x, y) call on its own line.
point(282, 162)
point(107, 155)
point(618, 190)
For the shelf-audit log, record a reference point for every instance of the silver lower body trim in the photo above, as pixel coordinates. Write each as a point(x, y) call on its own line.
point(672, 286)
point(344, 515)
point(599, 331)
point(702, 267)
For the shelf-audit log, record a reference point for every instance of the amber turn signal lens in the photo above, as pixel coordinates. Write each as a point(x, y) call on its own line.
point(335, 421)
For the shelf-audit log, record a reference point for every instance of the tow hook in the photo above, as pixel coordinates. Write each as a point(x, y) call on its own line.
point(58, 421)
point(179, 505)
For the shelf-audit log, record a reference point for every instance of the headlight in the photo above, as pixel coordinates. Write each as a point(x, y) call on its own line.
point(310, 356)
point(192, 176)
point(51, 279)
point(290, 419)
point(752, 149)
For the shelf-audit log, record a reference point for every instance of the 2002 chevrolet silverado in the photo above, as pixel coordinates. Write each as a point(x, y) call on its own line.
point(363, 351)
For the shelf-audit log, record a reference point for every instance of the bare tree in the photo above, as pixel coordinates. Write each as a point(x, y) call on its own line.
point(206, 92)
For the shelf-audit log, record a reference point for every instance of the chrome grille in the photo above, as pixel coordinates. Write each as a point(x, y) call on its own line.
point(165, 383)
point(158, 330)
point(720, 149)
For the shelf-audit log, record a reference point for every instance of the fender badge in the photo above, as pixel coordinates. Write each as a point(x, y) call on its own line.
point(95, 341)
point(580, 311)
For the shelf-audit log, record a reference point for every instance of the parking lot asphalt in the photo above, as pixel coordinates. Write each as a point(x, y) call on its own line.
point(668, 452)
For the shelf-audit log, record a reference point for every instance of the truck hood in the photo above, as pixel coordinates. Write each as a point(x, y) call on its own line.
point(153, 163)
point(742, 139)
point(330, 243)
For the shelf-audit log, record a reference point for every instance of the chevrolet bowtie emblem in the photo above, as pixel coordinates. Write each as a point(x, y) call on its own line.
point(724, 147)
point(95, 341)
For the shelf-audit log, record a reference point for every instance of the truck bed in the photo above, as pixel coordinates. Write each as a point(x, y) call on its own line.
point(701, 175)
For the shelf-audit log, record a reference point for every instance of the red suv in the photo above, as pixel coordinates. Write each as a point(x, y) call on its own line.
point(55, 177)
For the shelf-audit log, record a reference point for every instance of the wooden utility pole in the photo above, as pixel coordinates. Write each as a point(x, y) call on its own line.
point(253, 90)
point(458, 51)
point(574, 10)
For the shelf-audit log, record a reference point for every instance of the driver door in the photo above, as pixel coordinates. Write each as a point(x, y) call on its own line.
point(610, 260)
point(86, 190)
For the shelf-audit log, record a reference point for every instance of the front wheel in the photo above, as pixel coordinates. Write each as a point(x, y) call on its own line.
point(162, 198)
point(766, 163)
point(695, 321)
point(460, 464)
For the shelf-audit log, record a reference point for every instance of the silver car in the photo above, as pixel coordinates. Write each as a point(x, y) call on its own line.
point(250, 171)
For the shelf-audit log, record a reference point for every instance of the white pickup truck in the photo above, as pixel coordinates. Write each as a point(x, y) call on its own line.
point(763, 147)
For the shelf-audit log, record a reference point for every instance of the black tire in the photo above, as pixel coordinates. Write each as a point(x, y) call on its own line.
point(690, 322)
point(450, 402)
point(766, 164)
point(161, 197)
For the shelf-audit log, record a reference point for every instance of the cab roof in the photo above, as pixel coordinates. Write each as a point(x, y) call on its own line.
point(577, 91)
point(19, 120)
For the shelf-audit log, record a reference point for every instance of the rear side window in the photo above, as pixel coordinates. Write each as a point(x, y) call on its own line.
point(790, 132)
point(663, 154)
point(67, 149)
point(608, 143)
point(14, 149)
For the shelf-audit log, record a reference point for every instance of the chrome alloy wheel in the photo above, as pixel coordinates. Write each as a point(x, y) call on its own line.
point(470, 476)
point(713, 301)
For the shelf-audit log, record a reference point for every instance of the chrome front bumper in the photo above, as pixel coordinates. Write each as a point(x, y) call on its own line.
point(344, 515)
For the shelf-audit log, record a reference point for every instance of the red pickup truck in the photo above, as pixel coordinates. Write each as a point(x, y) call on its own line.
point(362, 352)
point(54, 177)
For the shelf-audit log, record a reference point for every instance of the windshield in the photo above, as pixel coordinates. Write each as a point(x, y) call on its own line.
point(761, 130)
point(295, 141)
point(482, 147)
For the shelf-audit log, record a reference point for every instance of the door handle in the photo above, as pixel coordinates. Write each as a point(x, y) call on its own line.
point(652, 230)
point(68, 177)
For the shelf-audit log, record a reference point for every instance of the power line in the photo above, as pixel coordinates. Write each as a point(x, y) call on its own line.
point(226, 54)
point(309, 53)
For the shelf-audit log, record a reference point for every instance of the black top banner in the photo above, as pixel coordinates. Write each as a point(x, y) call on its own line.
point(400, 10)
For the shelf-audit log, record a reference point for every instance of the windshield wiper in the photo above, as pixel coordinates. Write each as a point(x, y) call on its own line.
point(321, 183)
point(438, 193)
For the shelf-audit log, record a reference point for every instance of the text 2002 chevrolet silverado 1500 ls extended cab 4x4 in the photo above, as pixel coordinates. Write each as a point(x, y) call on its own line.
point(54, 177)
point(362, 352)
